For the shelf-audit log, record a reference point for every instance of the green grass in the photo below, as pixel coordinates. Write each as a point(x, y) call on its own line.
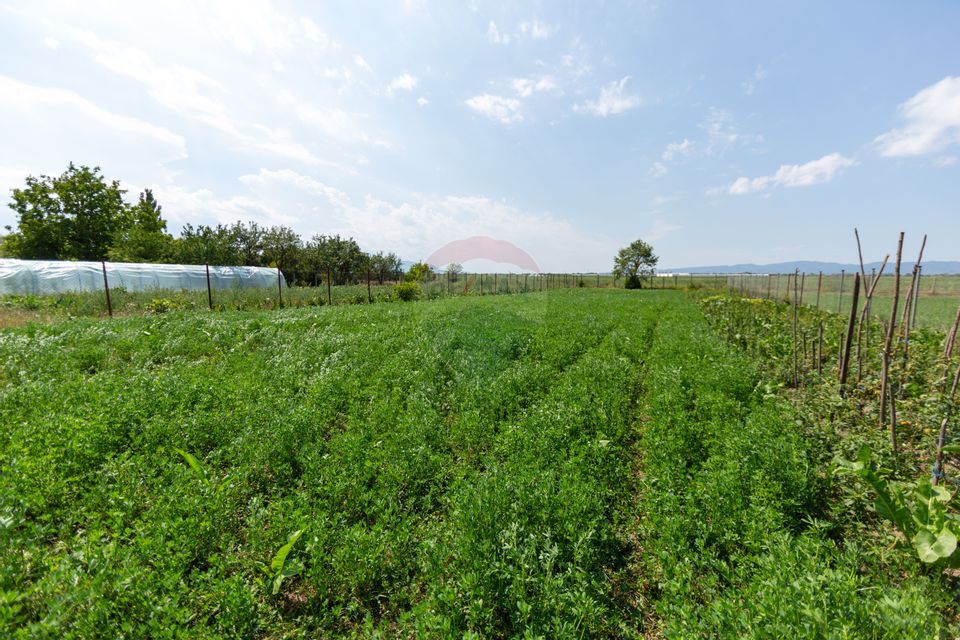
point(937, 308)
point(576, 463)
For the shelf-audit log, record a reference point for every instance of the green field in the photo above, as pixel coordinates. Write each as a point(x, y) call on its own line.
point(939, 295)
point(572, 463)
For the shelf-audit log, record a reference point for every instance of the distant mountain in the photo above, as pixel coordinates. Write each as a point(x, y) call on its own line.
point(808, 266)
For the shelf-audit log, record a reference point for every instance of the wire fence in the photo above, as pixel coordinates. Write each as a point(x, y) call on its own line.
point(936, 297)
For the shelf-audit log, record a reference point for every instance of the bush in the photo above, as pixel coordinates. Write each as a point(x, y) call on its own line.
point(633, 282)
point(407, 291)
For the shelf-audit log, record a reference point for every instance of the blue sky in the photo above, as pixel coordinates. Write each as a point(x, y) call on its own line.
point(721, 132)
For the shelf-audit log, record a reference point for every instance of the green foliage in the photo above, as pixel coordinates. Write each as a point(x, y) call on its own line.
point(636, 259)
point(278, 570)
point(143, 236)
point(385, 266)
point(407, 291)
point(455, 269)
point(633, 282)
point(73, 216)
point(419, 272)
point(340, 257)
point(919, 510)
point(207, 245)
point(578, 463)
point(281, 246)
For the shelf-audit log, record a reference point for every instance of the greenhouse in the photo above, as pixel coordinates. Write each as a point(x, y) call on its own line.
point(42, 277)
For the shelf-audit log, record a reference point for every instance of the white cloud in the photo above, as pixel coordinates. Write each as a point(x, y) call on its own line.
point(749, 85)
point(360, 62)
point(612, 100)
point(673, 151)
point(536, 29)
point(945, 161)
point(403, 82)
point(422, 101)
point(413, 227)
point(795, 175)
point(314, 33)
point(506, 110)
point(932, 122)
point(722, 132)
point(45, 128)
point(660, 229)
point(333, 122)
point(526, 87)
point(51, 43)
point(494, 35)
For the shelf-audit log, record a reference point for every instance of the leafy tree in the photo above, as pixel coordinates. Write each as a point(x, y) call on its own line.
point(207, 245)
point(249, 242)
point(280, 247)
point(385, 266)
point(419, 272)
point(143, 237)
point(74, 216)
point(341, 257)
point(454, 269)
point(634, 262)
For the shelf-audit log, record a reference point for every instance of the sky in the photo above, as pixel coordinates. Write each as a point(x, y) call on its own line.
point(721, 132)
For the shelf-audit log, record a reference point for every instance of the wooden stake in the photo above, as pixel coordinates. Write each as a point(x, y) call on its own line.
point(106, 288)
point(888, 343)
point(845, 361)
point(803, 280)
point(279, 288)
point(893, 419)
point(863, 327)
point(907, 322)
point(795, 329)
point(209, 290)
point(938, 471)
point(948, 345)
point(840, 301)
point(819, 286)
point(820, 347)
point(916, 295)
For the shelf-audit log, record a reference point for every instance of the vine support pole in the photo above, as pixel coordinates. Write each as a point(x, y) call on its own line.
point(843, 273)
point(845, 361)
point(888, 343)
point(795, 329)
point(106, 288)
point(938, 472)
point(209, 290)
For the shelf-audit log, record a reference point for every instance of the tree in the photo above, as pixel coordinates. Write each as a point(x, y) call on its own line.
point(634, 262)
point(74, 216)
point(249, 240)
point(207, 245)
point(454, 269)
point(280, 247)
point(143, 235)
point(341, 257)
point(419, 272)
point(385, 266)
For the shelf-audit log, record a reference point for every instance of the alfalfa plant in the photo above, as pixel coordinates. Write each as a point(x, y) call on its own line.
point(919, 510)
point(278, 569)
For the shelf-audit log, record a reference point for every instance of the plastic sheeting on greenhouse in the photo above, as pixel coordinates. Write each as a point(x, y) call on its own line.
point(42, 277)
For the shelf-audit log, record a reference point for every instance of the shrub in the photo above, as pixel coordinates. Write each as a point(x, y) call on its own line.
point(633, 282)
point(407, 291)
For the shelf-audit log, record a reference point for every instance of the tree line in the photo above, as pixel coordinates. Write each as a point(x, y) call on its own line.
point(79, 215)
